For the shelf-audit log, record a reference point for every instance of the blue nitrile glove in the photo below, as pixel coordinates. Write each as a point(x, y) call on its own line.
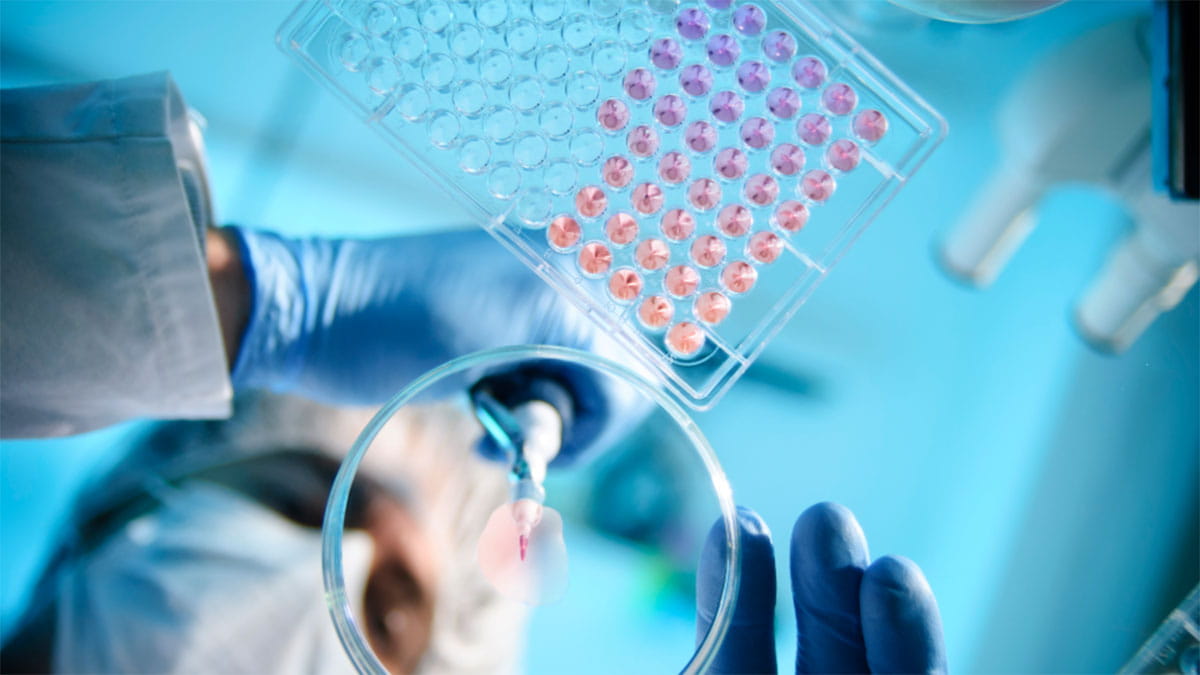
point(352, 321)
point(852, 615)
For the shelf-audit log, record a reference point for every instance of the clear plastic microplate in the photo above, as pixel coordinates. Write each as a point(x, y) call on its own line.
point(684, 173)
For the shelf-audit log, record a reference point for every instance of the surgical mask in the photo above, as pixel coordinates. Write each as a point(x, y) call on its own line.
point(211, 582)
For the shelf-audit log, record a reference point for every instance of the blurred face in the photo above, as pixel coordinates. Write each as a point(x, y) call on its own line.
point(425, 606)
point(401, 588)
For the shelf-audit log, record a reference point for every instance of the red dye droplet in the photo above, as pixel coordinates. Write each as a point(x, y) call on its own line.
point(617, 171)
point(708, 251)
point(595, 258)
point(647, 198)
point(735, 220)
point(625, 284)
point(563, 232)
point(685, 338)
point(765, 247)
point(678, 224)
point(674, 167)
point(712, 307)
point(739, 276)
point(681, 281)
point(791, 216)
point(652, 254)
point(621, 229)
point(656, 311)
point(590, 201)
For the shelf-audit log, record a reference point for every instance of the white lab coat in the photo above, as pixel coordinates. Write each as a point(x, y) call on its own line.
point(106, 313)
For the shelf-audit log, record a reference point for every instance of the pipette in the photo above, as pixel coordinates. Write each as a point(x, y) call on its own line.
point(530, 434)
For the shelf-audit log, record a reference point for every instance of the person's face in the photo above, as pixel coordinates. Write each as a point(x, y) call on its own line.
point(400, 592)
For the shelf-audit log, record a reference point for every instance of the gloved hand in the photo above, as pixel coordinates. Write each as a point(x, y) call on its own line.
point(352, 321)
point(852, 615)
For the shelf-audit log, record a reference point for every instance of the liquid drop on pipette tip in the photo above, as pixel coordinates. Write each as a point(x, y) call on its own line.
point(523, 542)
point(540, 577)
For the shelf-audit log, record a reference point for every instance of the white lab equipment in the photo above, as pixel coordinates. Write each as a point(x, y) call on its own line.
point(1083, 115)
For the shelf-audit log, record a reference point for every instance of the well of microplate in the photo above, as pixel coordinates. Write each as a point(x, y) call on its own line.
point(684, 172)
point(633, 520)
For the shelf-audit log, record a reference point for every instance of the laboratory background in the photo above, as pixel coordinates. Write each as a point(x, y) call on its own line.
point(1049, 490)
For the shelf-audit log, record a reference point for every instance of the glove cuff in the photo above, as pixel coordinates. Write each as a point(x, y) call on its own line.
point(272, 348)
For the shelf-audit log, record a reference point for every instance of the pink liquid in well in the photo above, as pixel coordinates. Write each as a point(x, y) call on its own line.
point(838, 98)
point(665, 53)
point(692, 23)
point(783, 102)
point(696, 80)
point(726, 106)
point(674, 167)
point(625, 284)
point(647, 198)
point(670, 110)
point(656, 311)
point(817, 185)
point(640, 84)
point(538, 579)
point(791, 215)
point(779, 46)
point(563, 233)
point(731, 163)
point(595, 258)
point(735, 220)
point(617, 171)
point(704, 194)
point(685, 338)
point(753, 76)
point(761, 189)
point(723, 50)
point(813, 129)
point(708, 251)
point(765, 247)
point(681, 281)
point(678, 224)
point(652, 254)
point(809, 72)
point(870, 125)
point(757, 133)
point(749, 20)
point(739, 276)
point(842, 154)
point(787, 159)
point(590, 201)
point(700, 136)
point(642, 141)
point(613, 114)
point(621, 229)
point(712, 307)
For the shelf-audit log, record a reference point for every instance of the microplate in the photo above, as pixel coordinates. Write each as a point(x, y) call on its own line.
point(684, 173)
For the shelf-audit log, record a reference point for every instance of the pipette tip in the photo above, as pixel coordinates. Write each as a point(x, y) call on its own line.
point(523, 541)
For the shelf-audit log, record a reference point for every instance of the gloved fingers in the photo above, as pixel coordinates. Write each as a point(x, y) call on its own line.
point(749, 645)
point(829, 555)
point(900, 620)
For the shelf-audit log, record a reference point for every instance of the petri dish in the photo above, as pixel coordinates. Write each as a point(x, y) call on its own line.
point(637, 558)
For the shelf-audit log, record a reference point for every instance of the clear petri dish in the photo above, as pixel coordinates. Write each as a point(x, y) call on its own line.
point(634, 519)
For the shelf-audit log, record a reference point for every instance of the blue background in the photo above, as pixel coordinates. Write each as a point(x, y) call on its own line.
point(1049, 492)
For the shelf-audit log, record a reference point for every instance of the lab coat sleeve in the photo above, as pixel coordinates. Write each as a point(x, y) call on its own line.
point(106, 313)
